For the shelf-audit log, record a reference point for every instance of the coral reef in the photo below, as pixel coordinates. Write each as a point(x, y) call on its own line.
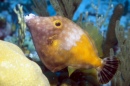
point(100, 19)
point(111, 40)
point(65, 8)
point(24, 38)
point(2, 22)
point(94, 18)
point(123, 75)
point(40, 7)
point(22, 28)
point(5, 28)
point(18, 70)
point(85, 77)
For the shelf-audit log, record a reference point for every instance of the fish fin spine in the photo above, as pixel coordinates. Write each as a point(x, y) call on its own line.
point(108, 69)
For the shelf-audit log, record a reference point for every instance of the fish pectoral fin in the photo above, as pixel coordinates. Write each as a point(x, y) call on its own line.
point(108, 69)
point(71, 69)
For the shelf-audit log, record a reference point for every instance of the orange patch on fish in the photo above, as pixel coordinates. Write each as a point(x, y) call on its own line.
point(84, 54)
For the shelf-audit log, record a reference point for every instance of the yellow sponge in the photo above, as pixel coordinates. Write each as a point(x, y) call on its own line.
point(18, 70)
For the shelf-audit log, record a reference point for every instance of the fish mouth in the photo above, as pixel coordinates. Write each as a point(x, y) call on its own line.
point(34, 22)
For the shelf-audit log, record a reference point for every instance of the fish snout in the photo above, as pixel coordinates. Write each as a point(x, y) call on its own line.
point(38, 23)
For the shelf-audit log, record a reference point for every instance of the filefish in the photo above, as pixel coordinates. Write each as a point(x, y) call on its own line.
point(61, 43)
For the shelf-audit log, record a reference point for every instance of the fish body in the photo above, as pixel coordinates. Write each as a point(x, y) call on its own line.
point(61, 43)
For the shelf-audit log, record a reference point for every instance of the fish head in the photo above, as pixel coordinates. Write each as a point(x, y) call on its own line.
point(49, 38)
point(46, 29)
point(56, 30)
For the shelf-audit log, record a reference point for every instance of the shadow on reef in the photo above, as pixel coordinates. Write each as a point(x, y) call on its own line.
point(62, 78)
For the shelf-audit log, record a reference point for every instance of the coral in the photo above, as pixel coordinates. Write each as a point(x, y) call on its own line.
point(123, 75)
point(2, 22)
point(100, 19)
point(40, 7)
point(111, 39)
point(65, 7)
point(5, 28)
point(17, 70)
point(23, 38)
point(22, 29)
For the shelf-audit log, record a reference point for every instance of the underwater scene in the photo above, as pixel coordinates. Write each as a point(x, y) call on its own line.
point(64, 42)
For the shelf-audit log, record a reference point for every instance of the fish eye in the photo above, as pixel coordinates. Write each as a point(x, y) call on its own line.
point(57, 24)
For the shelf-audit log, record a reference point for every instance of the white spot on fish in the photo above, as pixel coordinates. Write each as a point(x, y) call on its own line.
point(72, 35)
point(28, 17)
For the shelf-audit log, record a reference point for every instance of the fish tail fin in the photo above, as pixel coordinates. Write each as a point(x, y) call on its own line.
point(108, 69)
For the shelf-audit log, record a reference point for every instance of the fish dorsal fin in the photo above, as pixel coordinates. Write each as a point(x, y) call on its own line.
point(91, 40)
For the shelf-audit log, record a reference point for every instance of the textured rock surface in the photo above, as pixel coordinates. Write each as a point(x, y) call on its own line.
point(17, 70)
